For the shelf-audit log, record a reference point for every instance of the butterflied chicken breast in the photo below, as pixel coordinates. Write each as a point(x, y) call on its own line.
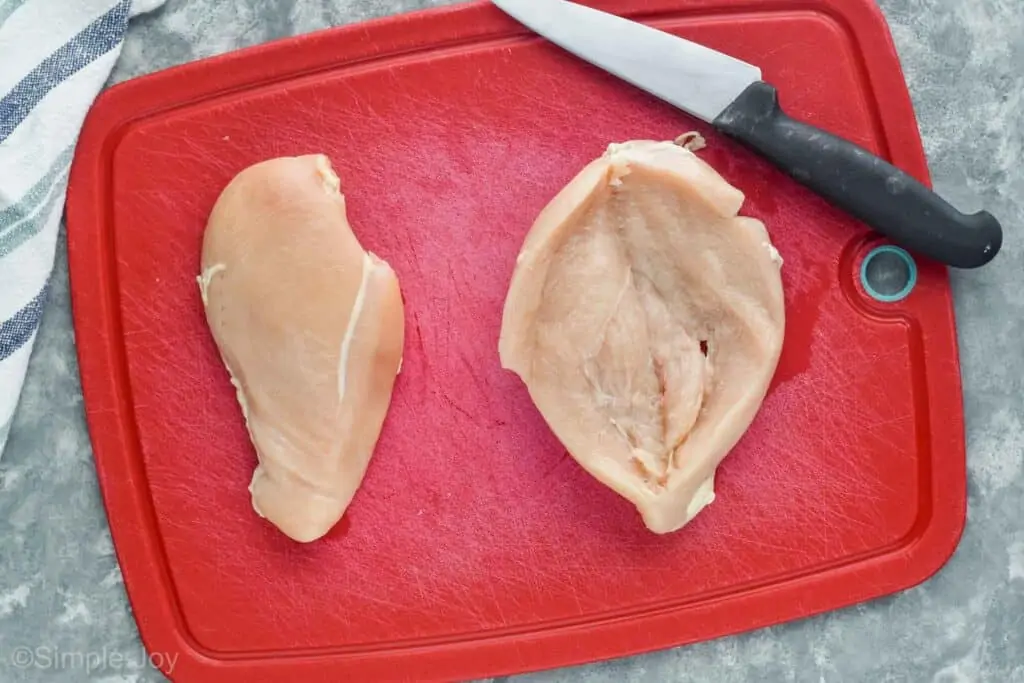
point(646, 319)
point(310, 327)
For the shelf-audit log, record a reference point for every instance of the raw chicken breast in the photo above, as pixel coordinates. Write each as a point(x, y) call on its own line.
point(646, 319)
point(310, 327)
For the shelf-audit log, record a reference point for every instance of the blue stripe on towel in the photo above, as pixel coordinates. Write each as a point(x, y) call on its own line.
point(98, 38)
point(26, 206)
point(6, 10)
point(30, 227)
point(18, 329)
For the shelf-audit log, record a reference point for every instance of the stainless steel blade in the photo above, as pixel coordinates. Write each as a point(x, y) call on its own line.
point(694, 78)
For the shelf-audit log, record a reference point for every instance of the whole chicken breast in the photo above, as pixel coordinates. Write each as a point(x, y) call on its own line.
point(646, 319)
point(310, 327)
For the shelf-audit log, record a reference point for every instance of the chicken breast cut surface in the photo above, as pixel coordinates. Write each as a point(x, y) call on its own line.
point(646, 319)
point(310, 327)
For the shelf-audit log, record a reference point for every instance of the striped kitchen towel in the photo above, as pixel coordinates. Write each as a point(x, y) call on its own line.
point(55, 56)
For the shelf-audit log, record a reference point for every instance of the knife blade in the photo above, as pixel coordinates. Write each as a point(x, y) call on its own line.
point(732, 96)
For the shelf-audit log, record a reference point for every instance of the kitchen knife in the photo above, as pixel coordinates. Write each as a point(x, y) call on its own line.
point(731, 95)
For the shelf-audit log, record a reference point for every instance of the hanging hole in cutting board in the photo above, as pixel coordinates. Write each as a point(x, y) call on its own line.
point(888, 273)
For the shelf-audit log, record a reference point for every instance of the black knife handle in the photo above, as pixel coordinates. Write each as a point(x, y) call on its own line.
point(885, 198)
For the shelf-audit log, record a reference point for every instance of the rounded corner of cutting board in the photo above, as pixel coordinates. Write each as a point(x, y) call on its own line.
point(110, 420)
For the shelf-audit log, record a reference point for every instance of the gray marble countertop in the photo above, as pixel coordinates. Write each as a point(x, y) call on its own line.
point(60, 586)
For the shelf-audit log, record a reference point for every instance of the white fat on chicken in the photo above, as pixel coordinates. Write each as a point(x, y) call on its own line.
point(646, 319)
point(310, 328)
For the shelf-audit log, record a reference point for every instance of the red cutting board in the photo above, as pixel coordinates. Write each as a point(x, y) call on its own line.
point(476, 547)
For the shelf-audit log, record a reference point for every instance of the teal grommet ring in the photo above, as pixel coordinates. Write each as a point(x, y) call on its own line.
point(888, 273)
